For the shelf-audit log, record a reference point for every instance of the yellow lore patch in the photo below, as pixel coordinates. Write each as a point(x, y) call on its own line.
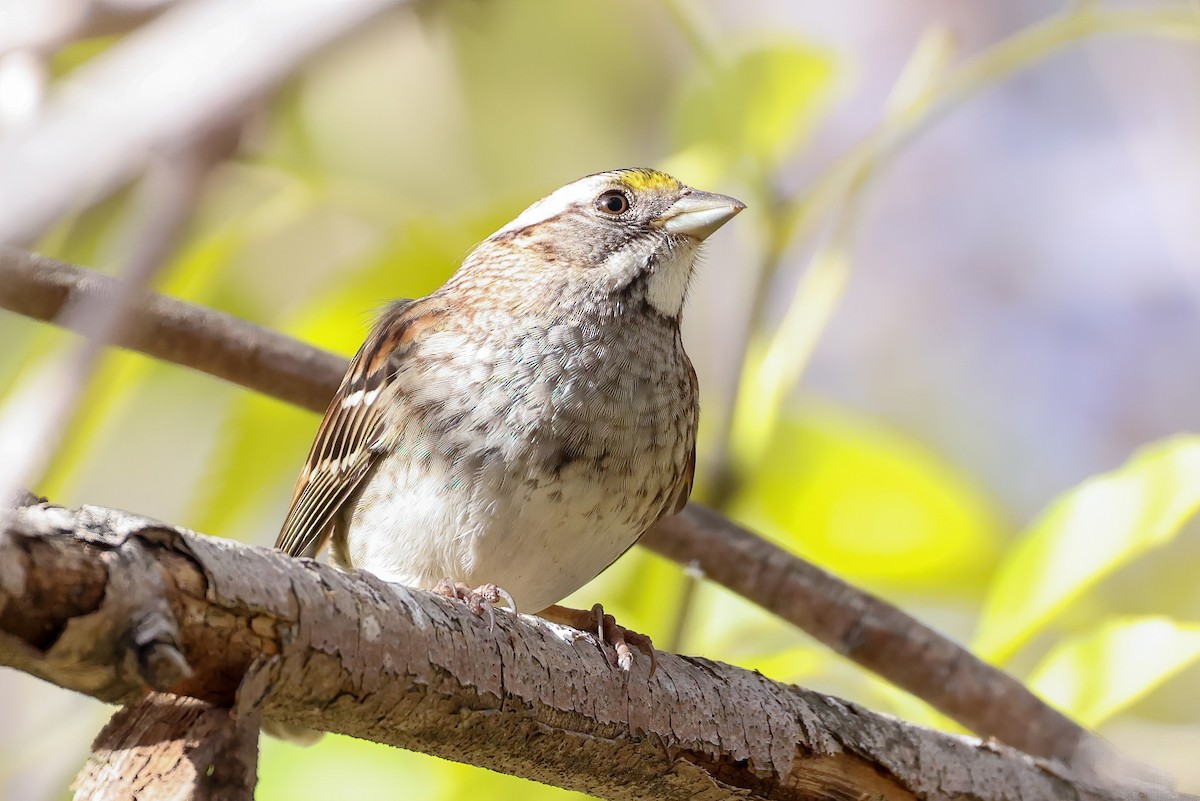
point(648, 180)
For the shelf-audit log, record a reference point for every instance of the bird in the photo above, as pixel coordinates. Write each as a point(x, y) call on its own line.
point(511, 435)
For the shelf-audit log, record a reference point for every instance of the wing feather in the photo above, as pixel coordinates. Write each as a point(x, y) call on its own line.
point(683, 490)
point(347, 445)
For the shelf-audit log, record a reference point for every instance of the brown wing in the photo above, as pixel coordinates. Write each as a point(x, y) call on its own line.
point(348, 442)
point(683, 489)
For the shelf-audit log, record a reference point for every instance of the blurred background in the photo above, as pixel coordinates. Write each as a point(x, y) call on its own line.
point(950, 351)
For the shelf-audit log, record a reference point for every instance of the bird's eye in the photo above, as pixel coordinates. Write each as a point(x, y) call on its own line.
point(613, 202)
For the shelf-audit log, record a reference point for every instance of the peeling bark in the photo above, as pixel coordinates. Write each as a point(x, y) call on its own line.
point(307, 645)
point(170, 748)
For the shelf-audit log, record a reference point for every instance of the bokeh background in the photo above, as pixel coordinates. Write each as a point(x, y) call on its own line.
point(966, 285)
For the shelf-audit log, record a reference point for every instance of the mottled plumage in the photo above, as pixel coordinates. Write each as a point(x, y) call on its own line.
point(526, 423)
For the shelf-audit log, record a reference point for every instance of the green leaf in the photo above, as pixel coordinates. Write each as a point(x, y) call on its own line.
point(1097, 675)
point(869, 504)
point(759, 104)
point(1102, 525)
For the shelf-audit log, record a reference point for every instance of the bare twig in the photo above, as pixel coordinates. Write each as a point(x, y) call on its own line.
point(196, 67)
point(869, 631)
point(306, 644)
point(34, 419)
point(864, 628)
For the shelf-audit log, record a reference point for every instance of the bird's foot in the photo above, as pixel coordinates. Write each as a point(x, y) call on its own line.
point(595, 621)
point(479, 600)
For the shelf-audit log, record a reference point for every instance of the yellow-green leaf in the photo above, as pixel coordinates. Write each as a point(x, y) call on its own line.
point(759, 104)
point(869, 504)
point(1097, 675)
point(1105, 523)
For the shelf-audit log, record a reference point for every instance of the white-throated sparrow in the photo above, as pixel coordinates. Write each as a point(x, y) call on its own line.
point(525, 424)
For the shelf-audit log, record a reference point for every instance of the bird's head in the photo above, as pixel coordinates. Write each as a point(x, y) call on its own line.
point(622, 237)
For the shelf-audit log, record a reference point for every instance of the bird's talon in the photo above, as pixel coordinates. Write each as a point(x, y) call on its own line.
point(508, 599)
point(607, 632)
point(479, 600)
point(624, 656)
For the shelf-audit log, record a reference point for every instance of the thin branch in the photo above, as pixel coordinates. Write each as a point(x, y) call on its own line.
point(182, 333)
point(35, 418)
point(864, 628)
point(869, 631)
point(194, 68)
point(305, 644)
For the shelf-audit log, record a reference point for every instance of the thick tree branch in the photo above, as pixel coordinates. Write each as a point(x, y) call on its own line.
point(862, 627)
point(305, 644)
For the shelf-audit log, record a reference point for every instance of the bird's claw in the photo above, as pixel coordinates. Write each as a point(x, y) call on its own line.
point(620, 638)
point(479, 600)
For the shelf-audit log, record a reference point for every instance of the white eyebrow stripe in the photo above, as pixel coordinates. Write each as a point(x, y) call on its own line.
point(559, 201)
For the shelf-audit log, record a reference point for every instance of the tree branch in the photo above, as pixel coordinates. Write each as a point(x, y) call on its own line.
point(34, 419)
point(182, 333)
point(305, 644)
point(864, 628)
point(869, 631)
point(192, 69)
point(170, 747)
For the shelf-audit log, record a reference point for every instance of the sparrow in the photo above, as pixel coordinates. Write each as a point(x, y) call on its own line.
point(509, 436)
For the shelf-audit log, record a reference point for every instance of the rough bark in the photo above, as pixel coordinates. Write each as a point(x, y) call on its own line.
point(172, 748)
point(864, 628)
point(304, 644)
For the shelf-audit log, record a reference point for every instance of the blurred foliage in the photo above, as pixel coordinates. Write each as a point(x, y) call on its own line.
point(371, 175)
point(1096, 675)
point(869, 504)
point(769, 96)
point(1090, 532)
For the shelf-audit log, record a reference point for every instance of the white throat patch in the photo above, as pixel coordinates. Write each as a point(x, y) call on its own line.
point(667, 286)
point(667, 283)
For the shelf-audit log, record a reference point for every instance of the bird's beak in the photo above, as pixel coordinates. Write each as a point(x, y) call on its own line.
point(697, 214)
